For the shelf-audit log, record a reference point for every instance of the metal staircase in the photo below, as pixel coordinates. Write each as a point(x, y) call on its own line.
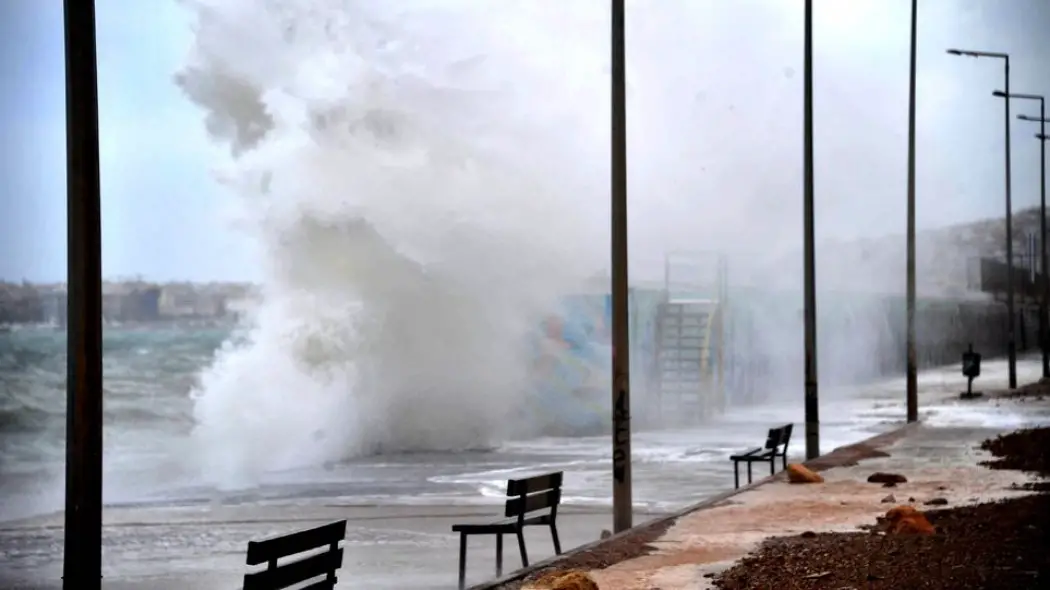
point(689, 346)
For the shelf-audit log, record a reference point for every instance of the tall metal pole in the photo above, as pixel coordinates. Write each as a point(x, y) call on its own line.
point(1044, 281)
point(621, 363)
point(82, 565)
point(810, 295)
point(1011, 343)
point(912, 375)
point(1044, 320)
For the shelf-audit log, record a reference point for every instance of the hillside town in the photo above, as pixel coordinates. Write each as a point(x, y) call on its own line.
point(128, 302)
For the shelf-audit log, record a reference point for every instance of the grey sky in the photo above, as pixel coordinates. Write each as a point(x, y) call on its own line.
point(731, 69)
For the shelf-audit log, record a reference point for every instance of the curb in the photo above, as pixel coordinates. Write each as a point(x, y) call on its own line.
point(840, 457)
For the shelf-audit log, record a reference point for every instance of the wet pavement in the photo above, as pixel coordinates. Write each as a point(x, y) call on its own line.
point(203, 548)
point(940, 462)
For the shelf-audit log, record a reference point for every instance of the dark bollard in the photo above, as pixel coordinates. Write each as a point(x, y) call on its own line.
point(971, 369)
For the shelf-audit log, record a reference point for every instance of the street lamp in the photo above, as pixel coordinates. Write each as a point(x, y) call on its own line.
point(1044, 283)
point(1011, 346)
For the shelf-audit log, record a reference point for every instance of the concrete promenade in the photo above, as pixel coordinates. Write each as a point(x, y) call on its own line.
point(940, 462)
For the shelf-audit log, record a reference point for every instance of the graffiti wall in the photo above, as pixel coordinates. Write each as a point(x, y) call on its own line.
point(573, 359)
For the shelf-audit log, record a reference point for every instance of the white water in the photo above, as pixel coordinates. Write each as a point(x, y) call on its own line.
point(410, 245)
point(426, 178)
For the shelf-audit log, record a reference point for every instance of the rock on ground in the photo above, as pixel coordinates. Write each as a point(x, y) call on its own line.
point(800, 474)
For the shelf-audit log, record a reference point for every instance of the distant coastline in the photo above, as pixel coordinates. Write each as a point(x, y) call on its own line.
point(130, 303)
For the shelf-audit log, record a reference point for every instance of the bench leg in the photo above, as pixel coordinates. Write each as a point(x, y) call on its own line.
point(773, 465)
point(784, 459)
point(554, 537)
point(499, 555)
point(749, 473)
point(736, 474)
point(521, 548)
point(462, 561)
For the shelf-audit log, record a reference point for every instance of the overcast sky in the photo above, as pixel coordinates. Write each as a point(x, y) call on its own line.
point(739, 69)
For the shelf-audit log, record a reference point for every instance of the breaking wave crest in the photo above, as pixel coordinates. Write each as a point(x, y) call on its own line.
point(413, 232)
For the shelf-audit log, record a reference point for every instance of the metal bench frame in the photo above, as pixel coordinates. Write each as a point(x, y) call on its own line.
point(776, 446)
point(525, 497)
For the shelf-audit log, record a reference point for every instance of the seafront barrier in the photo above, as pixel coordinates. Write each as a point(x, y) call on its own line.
point(862, 340)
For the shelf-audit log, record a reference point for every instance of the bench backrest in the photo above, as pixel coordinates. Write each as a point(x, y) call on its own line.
point(779, 436)
point(289, 573)
point(534, 493)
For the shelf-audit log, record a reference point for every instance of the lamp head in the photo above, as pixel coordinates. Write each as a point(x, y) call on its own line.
point(969, 53)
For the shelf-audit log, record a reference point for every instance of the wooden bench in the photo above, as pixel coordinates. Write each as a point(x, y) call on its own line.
point(525, 498)
point(276, 577)
point(776, 446)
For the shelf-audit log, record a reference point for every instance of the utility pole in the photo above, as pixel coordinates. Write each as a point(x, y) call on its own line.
point(621, 361)
point(810, 295)
point(913, 370)
point(82, 558)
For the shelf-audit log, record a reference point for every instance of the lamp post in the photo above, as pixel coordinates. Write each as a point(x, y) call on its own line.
point(809, 264)
point(1044, 314)
point(912, 393)
point(621, 380)
point(82, 554)
point(1011, 344)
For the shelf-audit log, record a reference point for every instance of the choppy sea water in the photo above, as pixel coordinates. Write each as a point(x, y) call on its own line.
point(148, 411)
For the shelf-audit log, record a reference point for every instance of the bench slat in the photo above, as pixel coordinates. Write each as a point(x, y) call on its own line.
point(294, 572)
point(746, 454)
point(778, 436)
point(503, 525)
point(277, 547)
point(767, 456)
point(539, 483)
point(322, 585)
point(526, 504)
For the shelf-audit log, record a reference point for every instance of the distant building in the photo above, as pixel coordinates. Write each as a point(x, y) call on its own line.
point(178, 300)
point(55, 306)
point(19, 303)
point(188, 301)
point(141, 305)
